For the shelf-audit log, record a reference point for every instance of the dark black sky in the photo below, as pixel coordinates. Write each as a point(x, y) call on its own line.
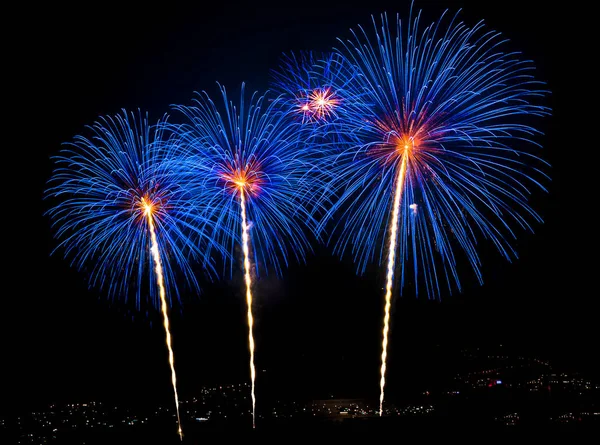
point(320, 323)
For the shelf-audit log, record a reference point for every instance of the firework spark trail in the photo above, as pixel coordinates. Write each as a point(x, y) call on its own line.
point(390, 274)
point(248, 280)
point(163, 305)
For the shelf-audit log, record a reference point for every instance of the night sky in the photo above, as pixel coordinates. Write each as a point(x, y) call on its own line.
point(319, 326)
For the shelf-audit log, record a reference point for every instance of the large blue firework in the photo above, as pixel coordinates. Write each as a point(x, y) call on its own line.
point(101, 181)
point(252, 143)
point(464, 107)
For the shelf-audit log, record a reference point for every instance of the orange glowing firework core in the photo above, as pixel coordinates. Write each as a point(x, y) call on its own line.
point(404, 146)
point(247, 179)
point(322, 102)
point(395, 144)
point(248, 280)
point(404, 149)
point(148, 208)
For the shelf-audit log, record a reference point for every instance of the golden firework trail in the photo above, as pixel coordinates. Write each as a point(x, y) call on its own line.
point(248, 280)
point(390, 272)
point(163, 304)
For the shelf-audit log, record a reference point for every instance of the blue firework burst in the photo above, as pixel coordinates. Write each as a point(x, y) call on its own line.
point(251, 143)
point(305, 81)
point(462, 109)
point(102, 180)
